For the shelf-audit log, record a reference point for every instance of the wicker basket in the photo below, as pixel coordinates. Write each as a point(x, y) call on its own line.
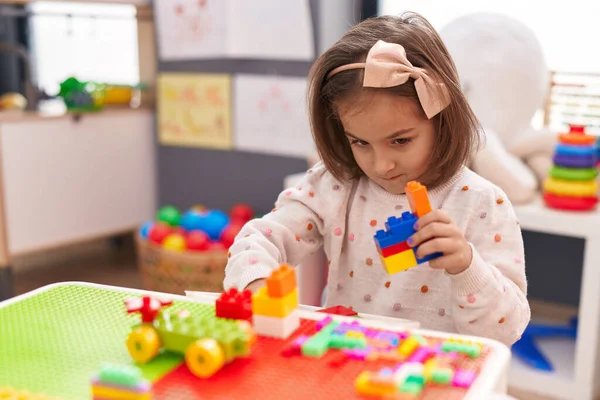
point(175, 272)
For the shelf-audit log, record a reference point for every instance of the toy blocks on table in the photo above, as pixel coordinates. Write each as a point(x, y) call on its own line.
point(233, 304)
point(276, 327)
point(281, 282)
point(417, 199)
point(273, 305)
point(278, 307)
point(178, 330)
point(121, 382)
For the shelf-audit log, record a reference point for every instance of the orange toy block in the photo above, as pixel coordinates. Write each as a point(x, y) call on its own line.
point(417, 198)
point(282, 281)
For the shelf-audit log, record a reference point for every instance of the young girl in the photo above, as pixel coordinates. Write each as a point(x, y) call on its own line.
point(386, 108)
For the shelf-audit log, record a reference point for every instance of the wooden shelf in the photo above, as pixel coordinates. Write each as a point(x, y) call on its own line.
point(28, 116)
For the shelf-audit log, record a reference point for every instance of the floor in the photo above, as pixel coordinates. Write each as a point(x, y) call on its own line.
point(114, 263)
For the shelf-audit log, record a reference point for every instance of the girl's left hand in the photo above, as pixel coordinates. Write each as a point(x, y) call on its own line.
point(436, 232)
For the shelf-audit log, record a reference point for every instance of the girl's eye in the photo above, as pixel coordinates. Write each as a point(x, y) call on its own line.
point(402, 141)
point(359, 143)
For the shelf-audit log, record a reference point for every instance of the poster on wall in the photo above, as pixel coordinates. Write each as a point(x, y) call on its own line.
point(194, 110)
point(271, 115)
point(257, 29)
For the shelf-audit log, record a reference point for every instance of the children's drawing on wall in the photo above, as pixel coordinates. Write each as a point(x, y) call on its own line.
point(257, 29)
point(271, 115)
point(194, 110)
point(189, 29)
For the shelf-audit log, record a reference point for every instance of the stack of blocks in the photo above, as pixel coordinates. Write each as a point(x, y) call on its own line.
point(572, 182)
point(396, 255)
point(274, 305)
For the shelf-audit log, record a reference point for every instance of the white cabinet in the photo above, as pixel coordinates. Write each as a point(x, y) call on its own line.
point(66, 181)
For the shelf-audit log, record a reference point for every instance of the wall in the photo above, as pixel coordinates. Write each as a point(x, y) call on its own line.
point(218, 179)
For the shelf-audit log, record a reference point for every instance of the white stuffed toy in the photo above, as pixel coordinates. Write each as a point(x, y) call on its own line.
point(505, 78)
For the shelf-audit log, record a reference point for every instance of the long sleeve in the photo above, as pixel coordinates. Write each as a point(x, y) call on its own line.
point(293, 230)
point(490, 297)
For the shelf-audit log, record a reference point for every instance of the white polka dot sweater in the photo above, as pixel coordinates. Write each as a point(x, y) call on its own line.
point(488, 299)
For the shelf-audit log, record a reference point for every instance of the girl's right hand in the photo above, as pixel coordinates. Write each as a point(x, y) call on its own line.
point(254, 286)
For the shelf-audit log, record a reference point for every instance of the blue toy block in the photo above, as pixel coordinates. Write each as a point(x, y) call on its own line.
point(426, 258)
point(402, 227)
point(398, 230)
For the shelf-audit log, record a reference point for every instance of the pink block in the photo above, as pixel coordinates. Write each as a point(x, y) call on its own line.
point(463, 378)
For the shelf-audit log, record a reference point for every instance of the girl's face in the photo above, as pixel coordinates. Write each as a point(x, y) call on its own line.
point(390, 136)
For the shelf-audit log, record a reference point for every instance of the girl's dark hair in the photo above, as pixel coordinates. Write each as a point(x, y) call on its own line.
point(457, 128)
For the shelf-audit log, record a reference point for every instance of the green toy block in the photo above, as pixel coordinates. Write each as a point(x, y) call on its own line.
point(472, 350)
point(442, 376)
point(178, 331)
point(121, 375)
point(420, 379)
point(411, 387)
point(318, 345)
point(345, 342)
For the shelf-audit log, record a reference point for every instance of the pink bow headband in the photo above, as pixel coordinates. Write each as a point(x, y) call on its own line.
point(387, 66)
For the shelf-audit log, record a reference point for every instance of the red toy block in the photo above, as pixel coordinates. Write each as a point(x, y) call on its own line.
point(281, 282)
point(394, 249)
point(147, 306)
point(233, 304)
point(339, 310)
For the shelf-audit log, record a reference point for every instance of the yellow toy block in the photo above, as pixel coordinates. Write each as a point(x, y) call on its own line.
point(417, 198)
point(408, 346)
point(399, 262)
point(430, 367)
point(279, 307)
point(113, 393)
point(370, 384)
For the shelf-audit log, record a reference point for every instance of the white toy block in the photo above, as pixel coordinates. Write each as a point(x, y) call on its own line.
point(280, 328)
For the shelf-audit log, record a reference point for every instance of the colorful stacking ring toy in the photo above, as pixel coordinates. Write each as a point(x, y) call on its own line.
point(572, 182)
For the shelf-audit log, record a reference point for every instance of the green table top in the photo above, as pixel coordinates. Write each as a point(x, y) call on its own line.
point(55, 339)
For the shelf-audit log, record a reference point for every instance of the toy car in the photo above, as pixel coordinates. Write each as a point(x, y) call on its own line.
point(208, 342)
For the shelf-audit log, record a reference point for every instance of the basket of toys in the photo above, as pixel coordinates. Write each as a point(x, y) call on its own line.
point(188, 251)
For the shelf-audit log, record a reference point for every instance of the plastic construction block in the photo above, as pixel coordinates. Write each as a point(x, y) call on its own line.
point(233, 304)
point(279, 307)
point(399, 262)
point(463, 378)
point(398, 230)
point(147, 306)
point(375, 384)
point(281, 328)
point(417, 198)
point(282, 281)
point(339, 310)
point(178, 331)
point(121, 382)
point(394, 249)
